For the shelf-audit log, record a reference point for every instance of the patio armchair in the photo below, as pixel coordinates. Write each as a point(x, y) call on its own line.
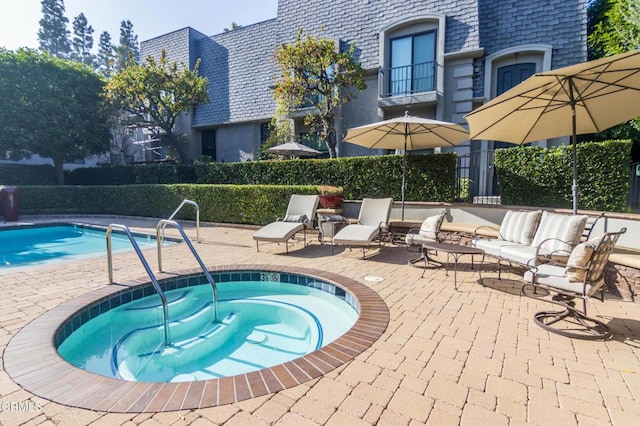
point(581, 278)
point(299, 217)
point(427, 232)
point(372, 220)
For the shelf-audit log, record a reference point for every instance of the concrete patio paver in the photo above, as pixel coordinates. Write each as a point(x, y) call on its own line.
point(470, 356)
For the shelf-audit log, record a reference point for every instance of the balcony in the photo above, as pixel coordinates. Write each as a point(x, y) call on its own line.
point(409, 84)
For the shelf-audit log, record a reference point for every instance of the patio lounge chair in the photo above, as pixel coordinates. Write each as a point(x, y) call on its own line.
point(373, 218)
point(581, 277)
point(299, 217)
point(428, 232)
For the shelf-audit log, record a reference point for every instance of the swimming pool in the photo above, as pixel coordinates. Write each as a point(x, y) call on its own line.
point(262, 323)
point(33, 245)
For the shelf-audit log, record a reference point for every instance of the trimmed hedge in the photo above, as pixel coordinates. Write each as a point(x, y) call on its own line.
point(246, 204)
point(132, 175)
point(429, 177)
point(25, 174)
point(535, 176)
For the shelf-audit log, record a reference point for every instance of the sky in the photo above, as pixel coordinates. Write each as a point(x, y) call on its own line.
point(19, 19)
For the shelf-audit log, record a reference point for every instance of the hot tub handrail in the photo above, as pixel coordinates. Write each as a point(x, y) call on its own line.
point(175, 212)
point(154, 281)
point(162, 223)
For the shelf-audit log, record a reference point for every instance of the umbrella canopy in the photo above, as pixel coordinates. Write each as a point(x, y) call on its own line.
point(582, 98)
point(293, 149)
point(408, 133)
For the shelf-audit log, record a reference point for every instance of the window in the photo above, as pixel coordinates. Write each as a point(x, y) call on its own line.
point(208, 139)
point(412, 64)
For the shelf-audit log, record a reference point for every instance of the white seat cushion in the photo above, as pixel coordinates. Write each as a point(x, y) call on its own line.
point(356, 235)
point(278, 231)
point(490, 247)
point(553, 276)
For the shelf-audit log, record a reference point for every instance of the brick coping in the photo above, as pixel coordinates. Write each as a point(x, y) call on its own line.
point(32, 361)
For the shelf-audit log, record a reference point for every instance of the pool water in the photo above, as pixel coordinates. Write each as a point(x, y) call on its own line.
point(36, 245)
point(260, 324)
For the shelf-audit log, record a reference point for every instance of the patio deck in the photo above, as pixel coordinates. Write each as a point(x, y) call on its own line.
point(470, 356)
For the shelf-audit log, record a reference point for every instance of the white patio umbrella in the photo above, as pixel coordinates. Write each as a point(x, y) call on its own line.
point(408, 133)
point(293, 149)
point(584, 98)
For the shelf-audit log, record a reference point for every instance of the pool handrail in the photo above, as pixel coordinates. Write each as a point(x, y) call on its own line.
point(162, 223)
point(193, 203)
point(154, 281)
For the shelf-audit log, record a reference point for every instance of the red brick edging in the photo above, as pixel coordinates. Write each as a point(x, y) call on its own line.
point(33, 362)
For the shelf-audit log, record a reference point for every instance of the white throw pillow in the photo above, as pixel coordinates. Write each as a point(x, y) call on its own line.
point(578, 260)
point(431, 226)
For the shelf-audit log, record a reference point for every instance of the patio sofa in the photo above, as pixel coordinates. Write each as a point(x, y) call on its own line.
point(528, 237)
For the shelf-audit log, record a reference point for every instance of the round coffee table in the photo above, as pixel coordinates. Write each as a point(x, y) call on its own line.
point(456, 251)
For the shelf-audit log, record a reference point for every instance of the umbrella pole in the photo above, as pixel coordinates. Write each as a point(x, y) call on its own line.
point(574, 139)
point(404, 169)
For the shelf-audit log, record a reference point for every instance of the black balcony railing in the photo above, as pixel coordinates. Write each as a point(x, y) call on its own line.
point(407, 80)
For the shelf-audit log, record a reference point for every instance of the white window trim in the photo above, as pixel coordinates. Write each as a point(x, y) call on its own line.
point(436, 20)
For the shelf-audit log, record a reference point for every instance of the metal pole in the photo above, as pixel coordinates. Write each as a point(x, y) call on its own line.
point(574, 140)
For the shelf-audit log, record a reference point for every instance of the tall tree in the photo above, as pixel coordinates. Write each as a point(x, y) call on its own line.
point(614, 27)
point(82, 41)
point(315, 73)
point(51, 107)
point(128, 49)
point(53, 34)
point(156, 93)
point(106, 57)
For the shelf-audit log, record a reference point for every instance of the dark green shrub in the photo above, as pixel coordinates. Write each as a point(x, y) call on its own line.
point(250, 204)
point(535, 176)
point(24, 174)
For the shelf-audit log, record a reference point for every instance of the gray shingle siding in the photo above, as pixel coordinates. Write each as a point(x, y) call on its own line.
point(240, 68)
point(559, 23)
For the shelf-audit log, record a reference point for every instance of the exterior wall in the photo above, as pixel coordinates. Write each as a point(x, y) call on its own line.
point(239, 63)
point(237, 142)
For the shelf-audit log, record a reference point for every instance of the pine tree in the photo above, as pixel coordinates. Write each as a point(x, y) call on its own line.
point(128, 45)
point(53, 34)
point(105, 54)
point(82, 41)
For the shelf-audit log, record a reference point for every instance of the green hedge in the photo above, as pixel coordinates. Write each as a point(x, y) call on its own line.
point(429, 177)
point(248, 204)
point(131, 175)
point(534, 176)
point(24, 174)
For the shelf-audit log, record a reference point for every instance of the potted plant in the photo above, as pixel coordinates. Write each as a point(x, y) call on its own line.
point(330, 196)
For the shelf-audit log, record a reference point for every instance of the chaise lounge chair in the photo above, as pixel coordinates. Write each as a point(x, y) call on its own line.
point(299, 217)
point(373, 218)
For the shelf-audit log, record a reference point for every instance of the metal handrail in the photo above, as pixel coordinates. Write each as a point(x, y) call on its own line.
point(193, 203)
point(154, 281)
point(162, 223)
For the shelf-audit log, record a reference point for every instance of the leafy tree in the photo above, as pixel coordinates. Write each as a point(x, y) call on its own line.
point(82, 41)
point(614, 27)
point(315, 73)
point(128, 49)
point(51, 107)
point(156, 93)
point(106, 57)
point(53, 34)
point(234, 26)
